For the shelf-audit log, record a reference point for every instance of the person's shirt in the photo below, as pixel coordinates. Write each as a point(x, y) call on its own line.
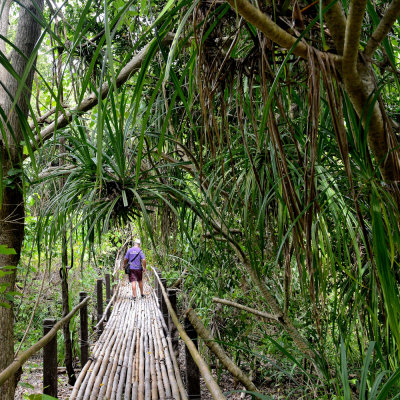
point(135, 255)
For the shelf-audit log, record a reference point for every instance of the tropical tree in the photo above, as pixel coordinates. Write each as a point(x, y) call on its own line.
point(266, 128)
point(16, 76)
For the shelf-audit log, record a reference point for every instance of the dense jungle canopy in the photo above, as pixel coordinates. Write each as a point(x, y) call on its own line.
point(252, 145)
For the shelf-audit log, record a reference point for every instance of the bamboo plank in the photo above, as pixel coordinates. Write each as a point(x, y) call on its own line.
point(110, 355)
point(132, 360)
point(126, 356)
point(130, 366)
point(125, 334)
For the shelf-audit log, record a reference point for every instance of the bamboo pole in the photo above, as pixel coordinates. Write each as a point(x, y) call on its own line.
point(210, 342)
point(170, 370)
point(126, 357)
point(136, 369)
point(24, 356)
point(213, 387)
point(100, 353)
point(147, 390)
point(92, 362)
point(126, 338)
point(102, 366)
point(179, 381)
point(106, 310)
point(94, 384)
point(164, 374)
point(162, 356)
point(160, 385)
point(163, 348)
point(130, 363)
point(177, 374)
point(141, 361)
point(114, 364)
point(154, 391)
point(80, 380)
point(122, 330)
point(81, 386)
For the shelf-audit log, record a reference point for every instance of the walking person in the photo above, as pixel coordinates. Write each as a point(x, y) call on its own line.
point(137, 264)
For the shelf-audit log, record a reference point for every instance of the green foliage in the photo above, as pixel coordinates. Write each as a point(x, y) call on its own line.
point(239, 164)
point(39, 397)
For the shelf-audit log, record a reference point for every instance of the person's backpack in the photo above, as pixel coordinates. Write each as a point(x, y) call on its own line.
point(128, 267)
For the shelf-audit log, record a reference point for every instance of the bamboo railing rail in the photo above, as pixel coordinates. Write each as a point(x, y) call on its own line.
point(106, 309)
point(24, 356)
point(212, 386)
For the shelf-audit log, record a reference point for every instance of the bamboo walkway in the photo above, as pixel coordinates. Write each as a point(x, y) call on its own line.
point(133, 358)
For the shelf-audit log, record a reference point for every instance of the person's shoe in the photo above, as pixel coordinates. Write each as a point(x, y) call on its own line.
point(133, 298)
point(143, 296)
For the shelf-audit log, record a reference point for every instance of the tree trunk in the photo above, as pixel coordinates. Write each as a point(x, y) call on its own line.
point(64, 287)
point(12, 214)
point(11, 235)
point(65, 306)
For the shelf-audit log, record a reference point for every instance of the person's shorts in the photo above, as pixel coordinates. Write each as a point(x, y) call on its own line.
point(135, 275)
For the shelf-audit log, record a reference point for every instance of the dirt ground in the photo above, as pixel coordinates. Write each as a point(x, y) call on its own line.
point(32, 381)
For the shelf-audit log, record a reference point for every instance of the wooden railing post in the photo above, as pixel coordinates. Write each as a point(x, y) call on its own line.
point(84, 334)
point(157, 285)
point(171, 326)
point(99, 291)
point(108, 294)
point(192, 373)
point(50, 361)
point(163, 304)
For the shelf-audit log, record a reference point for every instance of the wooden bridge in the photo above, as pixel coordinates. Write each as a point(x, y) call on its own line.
point(134, 357)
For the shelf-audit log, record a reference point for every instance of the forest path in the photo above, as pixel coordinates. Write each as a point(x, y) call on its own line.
point(133, 357)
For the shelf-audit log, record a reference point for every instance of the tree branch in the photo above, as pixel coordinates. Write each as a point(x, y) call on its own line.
point(352, 36)
point(248, 309)
point(387, 21)
point(48, 114)
point(92, 100)
point(336, 22)
point(267, 26)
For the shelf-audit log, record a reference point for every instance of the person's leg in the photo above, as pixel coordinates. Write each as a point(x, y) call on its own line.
point(134, 288)
point(141, 288)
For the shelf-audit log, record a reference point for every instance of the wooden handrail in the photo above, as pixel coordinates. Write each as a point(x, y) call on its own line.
point(24, 356)
point(213, 387)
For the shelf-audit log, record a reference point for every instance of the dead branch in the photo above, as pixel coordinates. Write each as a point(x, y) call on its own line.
point(210, 342)
point(92, 100)
point(248, 309)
